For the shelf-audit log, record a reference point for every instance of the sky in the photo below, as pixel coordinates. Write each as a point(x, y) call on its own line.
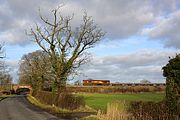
point(140, 35)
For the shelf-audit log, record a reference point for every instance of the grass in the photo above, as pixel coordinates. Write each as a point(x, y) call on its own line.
point(56, 109)
point(100, 101)
point(114, 112)
point(51, 108)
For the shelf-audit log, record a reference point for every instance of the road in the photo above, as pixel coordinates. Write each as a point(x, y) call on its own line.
point(18, 108)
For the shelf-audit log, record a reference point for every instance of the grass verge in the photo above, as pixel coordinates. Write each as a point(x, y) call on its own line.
point(51, 108)
point(63, 113)
point(114, 112)
point(56, 109)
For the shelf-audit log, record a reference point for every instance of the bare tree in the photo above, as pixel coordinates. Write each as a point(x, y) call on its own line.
point(1, 51)
point(1, 55)
point(5, 77)
point(66, 47)
point(35, 69)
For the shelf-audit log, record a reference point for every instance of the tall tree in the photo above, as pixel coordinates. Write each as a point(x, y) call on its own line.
point(1, 51)
point(35, 70)
point(1, 55)
point(172, 73)
point(5, 77)
point(66, 46)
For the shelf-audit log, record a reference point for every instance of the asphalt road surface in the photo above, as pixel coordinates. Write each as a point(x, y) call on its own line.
point(18, 108)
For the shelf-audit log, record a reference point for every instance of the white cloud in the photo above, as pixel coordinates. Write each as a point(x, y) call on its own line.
point(120, 18)
point(18, 16)
point(128, 68)
point(12, 63)
point(12, 67)
point(166, 30)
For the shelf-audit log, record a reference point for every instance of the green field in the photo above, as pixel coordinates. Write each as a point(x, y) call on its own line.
point(100, 101)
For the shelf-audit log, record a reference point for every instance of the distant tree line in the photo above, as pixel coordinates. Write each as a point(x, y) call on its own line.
point(5, 77)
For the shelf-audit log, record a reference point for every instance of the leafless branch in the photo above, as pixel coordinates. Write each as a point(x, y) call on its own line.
point(64, 46)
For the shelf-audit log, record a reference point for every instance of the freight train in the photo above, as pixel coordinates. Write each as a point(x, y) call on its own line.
point(108, 83)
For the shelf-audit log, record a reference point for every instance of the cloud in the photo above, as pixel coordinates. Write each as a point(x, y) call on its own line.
point(13, 66)
point(12, 63)
point(121, 19)
point(166, 30)
point(128, 68)
point(18, 16)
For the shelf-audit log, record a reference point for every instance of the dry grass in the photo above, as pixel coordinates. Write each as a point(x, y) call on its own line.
point(52, 108)
point(114, 112)
point(56, 109)
point(68, 101)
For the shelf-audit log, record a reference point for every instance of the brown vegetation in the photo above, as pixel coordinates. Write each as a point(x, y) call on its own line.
point(114, 112)
point(136, 111)
point(115, 89)
point(151, 111)
point(65, 100)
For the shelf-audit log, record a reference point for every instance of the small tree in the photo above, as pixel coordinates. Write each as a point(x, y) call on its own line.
point(1, 51)
point(172, 73)
point(1, 55)
point(145, 81)
point(5, 77)
point(66, 46)
point(78, 82)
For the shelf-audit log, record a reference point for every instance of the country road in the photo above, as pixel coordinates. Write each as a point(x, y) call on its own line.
point(18, 108)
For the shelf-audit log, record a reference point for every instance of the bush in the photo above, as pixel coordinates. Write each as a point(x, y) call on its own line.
point(172, 73)
point(150, 110)
point(70, 101)
point(115, 89)
point(44, 97)
point(64, 100)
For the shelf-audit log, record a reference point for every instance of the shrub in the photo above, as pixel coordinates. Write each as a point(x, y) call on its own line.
point(114, 89)
point(64, 100)
point(70, 101)
point(44, 97)
point(172, 73)
point(150, 110)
